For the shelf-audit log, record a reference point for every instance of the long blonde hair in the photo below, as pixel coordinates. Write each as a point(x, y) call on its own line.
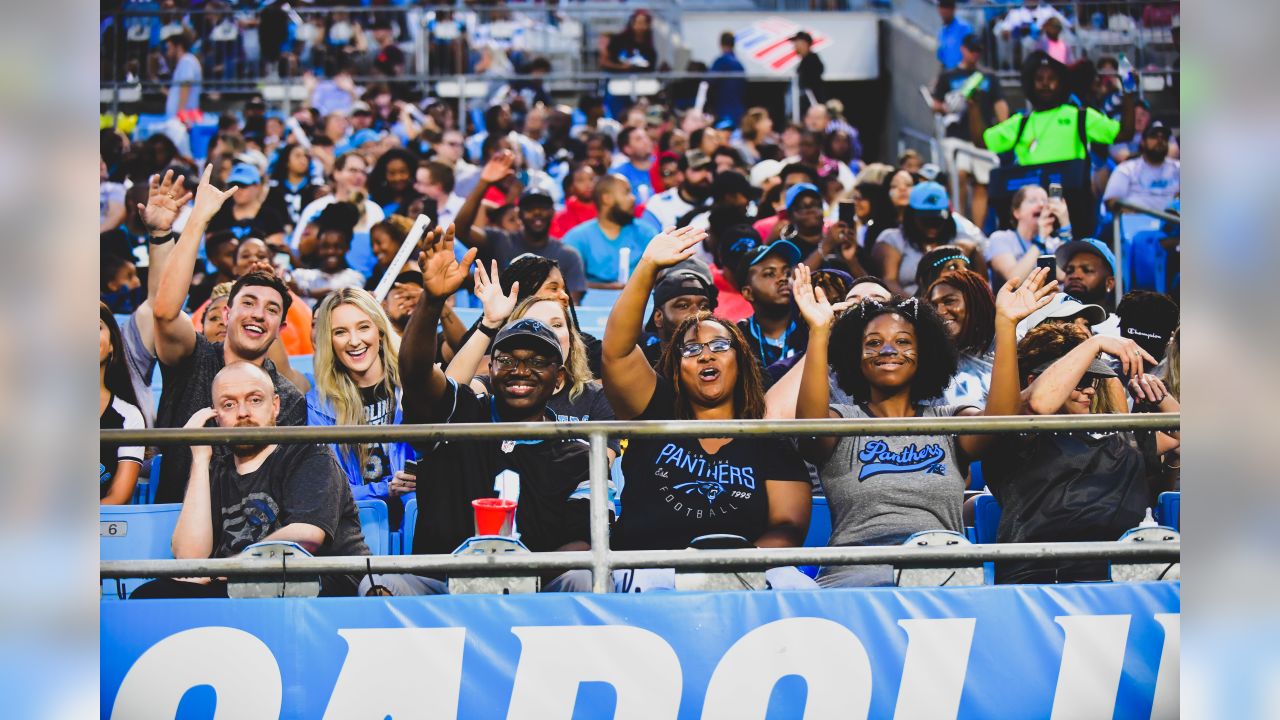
point(577, 373)
point(333, 382)
point(1173, 356)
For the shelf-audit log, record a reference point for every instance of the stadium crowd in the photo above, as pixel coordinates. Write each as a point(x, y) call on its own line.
point(754, 268)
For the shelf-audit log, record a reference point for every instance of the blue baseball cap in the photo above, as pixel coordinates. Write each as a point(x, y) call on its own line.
point(795, 190)
point(1089, 245)
point(785, 248)
point(244, 174)
point(360, 137)
point(929, 197)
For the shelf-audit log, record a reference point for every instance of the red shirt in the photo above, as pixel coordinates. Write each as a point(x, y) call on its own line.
point(729, 303)
point(575, 213)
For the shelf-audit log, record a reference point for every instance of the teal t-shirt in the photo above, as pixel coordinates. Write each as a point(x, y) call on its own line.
point(1050, 135)
point(601, 254)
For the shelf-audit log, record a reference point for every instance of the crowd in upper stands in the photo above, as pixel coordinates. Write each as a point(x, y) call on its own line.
point(752, 268)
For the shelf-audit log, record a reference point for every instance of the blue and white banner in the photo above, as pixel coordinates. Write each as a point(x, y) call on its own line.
point(1070, 651)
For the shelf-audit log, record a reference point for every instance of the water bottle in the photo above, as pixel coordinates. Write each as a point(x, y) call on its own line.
point(1128, 81)
point(1149, 520)
point(971, 84)
point(624, 264)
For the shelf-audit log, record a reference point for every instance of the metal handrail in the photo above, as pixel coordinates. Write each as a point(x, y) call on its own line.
point(653, 428)
point(749, 558)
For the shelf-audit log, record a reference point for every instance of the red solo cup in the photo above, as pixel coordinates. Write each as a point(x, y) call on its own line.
point(494, 516)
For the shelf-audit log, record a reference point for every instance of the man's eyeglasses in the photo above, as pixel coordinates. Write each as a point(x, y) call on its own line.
point(534, 363)
point(694, 349)
point(669, 173)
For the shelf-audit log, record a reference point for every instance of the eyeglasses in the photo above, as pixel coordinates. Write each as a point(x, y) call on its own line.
point(534, 363)
point(669, 173)
point(694, 349)
point(1087, 382)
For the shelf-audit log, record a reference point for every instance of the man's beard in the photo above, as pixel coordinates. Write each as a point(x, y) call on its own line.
point(620, 217)
point(697, 192)
point(1155, 157)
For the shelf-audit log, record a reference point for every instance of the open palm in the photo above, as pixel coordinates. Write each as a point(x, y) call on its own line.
point(442, 273)
point(497, 306)
point(1018, 300)
point(672, 246)
point(165, 200)
point(498, 167)
point(814, 306)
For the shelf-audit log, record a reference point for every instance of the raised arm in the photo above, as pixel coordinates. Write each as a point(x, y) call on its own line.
point(175, 336)
point(1015, 301)
point(1053, 387)
point(628, 379)
point(497, 308)
point(813, 400)
point(193, 534)
point(442, 274)
point(165, 201)
point(493, 172)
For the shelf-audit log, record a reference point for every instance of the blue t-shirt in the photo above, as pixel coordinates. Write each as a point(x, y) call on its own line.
point(641, 183)
point(186, 72)
point(949, 38)
point(600, 254)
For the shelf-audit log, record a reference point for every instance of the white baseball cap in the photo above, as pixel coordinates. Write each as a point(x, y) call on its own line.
point(1062, 306)
point(764, 170)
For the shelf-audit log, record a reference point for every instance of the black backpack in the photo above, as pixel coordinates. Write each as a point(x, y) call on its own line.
point(1075, 177)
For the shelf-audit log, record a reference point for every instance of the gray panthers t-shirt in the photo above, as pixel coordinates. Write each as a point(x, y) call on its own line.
point(881, 489)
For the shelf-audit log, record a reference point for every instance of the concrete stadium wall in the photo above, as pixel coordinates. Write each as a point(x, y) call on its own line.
point(908, 60)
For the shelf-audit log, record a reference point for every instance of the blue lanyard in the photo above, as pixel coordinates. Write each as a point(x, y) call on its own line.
point(759, 336)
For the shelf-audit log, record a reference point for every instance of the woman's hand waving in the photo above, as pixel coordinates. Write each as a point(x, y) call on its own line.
point(814, 306)
point(1016, 300)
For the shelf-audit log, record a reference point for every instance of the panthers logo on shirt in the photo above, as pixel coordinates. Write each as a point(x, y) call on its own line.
point(878, 459)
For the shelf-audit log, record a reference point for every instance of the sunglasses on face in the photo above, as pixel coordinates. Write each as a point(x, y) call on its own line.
point(694, 349)
point(1087, 382)
point(535, 363)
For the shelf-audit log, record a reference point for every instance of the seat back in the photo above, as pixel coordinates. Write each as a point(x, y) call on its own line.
point(1169, 509)
point(407, 527)
point(976, 479)
point(135, 532)
point(819, 524)
point(376, 526)
point(986, 518)
point(1147, 259)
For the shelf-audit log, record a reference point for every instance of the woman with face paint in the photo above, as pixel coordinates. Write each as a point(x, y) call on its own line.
point(1078, 486)
point(893, 360)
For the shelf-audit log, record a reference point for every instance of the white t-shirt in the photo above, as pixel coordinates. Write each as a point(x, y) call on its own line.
point(667, 207)
point(1152, 186)
point(372, 216)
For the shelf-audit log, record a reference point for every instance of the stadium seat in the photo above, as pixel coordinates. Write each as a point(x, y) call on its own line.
point(144, 493)
point(986, 518)
point(819, 531)
point(135, 532)
point(406, 528)
point(304, 364)
point(976, 479)
point(597, 298)
point(376, 526)
point(1130, 225)
point(1146, 261)
point(1169, 509)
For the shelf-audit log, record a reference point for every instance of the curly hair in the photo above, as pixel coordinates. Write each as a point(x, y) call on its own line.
point(748, 387)
point(980, 309)
point(936, 355)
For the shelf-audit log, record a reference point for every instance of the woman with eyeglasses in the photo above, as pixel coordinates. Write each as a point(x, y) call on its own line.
point(678, 489)
point(1074, 487)
point(894, 359)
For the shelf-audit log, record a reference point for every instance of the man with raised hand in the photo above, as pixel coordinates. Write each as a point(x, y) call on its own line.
point(188, 362)
point(547, 478)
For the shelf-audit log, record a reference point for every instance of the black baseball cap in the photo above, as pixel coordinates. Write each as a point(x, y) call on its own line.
point(533, 194)
point(737, 242)
point(1097, 368)
point(529, 334)
point(409, 277)
point(693, 159)
point(731, 183)
point(689, 277)
point(786, 249)
point(1157, 126)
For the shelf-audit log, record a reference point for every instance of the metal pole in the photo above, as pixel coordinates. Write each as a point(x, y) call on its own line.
point(795, 99)
point(1115, 250)
point(661, 428)
point(509, 564)
point(601, 578)
point(462, 109)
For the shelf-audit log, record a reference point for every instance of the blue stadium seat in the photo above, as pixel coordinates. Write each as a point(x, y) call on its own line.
point(600, 298)
point(976, 479)
point(144, 493)
point(376, 526)
point(819, 531)
point(304, 364)
point(986, 518)
point(199, 137)
point(410, 520)
point(1130, 225)
point(135, 532)
point(1169, 509)
point(1146, 260)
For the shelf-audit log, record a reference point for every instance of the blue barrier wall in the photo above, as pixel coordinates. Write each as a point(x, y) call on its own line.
point(1104, 650)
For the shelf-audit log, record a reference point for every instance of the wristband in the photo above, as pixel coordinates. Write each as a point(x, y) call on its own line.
point(487, 331)
point(162, 239)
